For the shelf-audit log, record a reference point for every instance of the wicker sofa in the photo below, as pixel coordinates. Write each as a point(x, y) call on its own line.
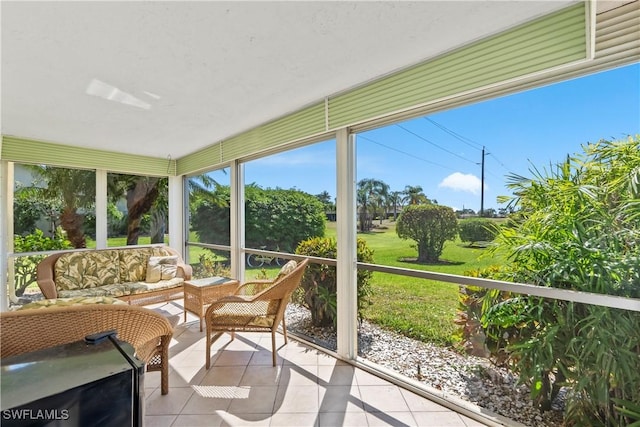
point(148, 332)
point(139, 275)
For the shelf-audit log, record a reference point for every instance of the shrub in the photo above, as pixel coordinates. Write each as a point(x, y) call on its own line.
point(429, 226)
point(475, 230)
point(578, 228)
point(319, 281)
point(209, 266)
point(276, 219)
point(25, 266)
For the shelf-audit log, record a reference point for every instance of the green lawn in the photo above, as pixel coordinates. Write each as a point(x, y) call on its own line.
point(421, 309)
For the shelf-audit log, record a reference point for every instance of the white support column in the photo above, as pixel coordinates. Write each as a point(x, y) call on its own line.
point(101, 209)
point(6, 229)
point(346, 272)
point(237, 220)
point(176, 215)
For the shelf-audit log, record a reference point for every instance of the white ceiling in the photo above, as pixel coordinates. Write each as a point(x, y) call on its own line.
point(169, 78)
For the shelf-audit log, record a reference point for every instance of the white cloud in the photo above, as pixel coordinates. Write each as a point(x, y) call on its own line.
point(462, 182)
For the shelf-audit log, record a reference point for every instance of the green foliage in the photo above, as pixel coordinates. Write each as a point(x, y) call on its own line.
point(209, 266)
point(275, 219)
point(73, 190)
point(29, 206)
point(475, 230)
point(25, 266)
point(319, 281)
point(430, 226)
point(578, 228)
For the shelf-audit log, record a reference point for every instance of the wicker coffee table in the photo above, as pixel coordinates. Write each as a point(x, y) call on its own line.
point(200, 293)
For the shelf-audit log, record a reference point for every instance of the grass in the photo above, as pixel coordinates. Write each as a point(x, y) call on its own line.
point(418, 308)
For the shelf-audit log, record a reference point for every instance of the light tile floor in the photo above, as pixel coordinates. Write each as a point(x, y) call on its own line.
point(307, 388)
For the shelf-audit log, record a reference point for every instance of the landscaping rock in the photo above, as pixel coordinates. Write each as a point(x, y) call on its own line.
point(469, 378)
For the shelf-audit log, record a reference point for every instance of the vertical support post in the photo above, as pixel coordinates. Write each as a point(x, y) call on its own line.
point(101, 209)
point(237, 220)
point(6, 224)
point(346, 272)
point(176, 211)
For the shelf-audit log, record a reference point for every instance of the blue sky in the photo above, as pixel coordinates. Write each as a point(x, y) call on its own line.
point(442, 152)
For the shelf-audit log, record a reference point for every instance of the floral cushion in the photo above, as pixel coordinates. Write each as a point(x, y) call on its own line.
point(161, 268)
point(287, 269)
point(81, 270)
point(66, 302)
point(133, 264)
point(159, 251)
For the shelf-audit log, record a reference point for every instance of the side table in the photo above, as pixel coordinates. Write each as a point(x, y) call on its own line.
point(200, 293)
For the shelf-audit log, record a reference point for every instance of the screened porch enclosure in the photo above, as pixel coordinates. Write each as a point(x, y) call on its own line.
point(168, 131)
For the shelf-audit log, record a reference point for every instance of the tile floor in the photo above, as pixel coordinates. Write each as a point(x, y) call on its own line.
point(307, 388)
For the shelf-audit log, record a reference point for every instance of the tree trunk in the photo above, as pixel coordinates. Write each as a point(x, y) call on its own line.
point(140, 199)
point(72, 222)
point(157, 227)
point(424, 255)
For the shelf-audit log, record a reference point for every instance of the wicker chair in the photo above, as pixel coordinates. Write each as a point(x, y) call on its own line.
point(255, 307)
point(147, 331)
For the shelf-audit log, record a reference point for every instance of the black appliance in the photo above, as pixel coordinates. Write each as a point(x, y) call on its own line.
point(77, 384)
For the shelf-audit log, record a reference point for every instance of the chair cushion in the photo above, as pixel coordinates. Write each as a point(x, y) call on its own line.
point(81, 270)
point(133, 264)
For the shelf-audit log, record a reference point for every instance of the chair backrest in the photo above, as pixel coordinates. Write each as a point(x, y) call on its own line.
point(30, 330)
point(284, 285)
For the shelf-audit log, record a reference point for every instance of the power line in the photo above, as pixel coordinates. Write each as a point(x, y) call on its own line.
point(434, 144)
point(405, 153)
point(471, 143)
point(499, 162)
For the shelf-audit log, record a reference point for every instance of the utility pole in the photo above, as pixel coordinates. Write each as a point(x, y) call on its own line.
point(482, 186)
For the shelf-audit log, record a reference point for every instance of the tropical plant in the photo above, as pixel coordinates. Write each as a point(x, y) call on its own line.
point(395, 202)
point(371, 194)
point(325, 199)
point(577, 228)
point(209, 266)
point(429, 226)
point(414, 195)
point(319, 286)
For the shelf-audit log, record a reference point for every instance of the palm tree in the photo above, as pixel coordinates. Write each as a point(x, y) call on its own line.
point(395, 202)
point(370, 192)
point(414, 195)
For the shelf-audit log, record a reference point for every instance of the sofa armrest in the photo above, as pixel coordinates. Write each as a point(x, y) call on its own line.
point(45, 276)
point(185, 271)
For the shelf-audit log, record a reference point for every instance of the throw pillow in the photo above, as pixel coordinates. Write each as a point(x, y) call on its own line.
point(286, 269)
point(161, 268)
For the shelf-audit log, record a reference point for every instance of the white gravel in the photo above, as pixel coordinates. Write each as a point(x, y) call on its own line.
point(470, 378)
